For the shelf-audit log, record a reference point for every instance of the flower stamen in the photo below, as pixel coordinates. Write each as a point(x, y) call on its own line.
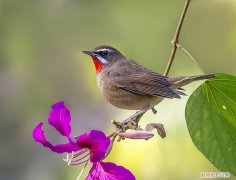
point(76, 160)
point(81, 172)
point(80, 152)
point(76, 163)
point(69, 158)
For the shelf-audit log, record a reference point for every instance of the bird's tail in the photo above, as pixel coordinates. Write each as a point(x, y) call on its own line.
point(177, 82)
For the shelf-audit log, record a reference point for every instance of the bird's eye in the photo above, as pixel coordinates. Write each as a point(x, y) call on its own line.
point(105, 53)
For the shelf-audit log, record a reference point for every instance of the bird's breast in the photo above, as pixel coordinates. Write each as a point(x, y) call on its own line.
point(119, 97)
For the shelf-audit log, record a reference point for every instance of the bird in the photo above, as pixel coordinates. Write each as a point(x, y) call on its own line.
point(128, 85)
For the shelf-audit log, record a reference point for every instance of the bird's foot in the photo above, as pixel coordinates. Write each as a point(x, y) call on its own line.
point(124, 125)
point(132, 121)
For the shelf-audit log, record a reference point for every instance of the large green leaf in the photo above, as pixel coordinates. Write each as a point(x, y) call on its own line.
point(211, 119)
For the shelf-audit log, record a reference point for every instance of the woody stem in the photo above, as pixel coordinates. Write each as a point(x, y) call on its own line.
point(176, 37)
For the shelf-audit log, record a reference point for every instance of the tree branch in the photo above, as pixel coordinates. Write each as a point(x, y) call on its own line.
point(176, 37)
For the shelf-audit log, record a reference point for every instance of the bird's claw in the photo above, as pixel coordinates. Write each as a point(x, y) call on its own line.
point(131, 124)
point(122, 127)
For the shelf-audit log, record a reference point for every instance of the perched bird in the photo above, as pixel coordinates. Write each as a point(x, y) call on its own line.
point(129, 85)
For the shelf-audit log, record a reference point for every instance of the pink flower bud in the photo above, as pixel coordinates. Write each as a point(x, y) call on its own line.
point(158, 126)
point(136, 134)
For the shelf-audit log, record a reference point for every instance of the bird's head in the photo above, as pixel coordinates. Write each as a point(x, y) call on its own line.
point(104, 56)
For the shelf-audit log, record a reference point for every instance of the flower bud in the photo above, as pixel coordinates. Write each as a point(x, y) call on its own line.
point(136, 134)
point(158, 126)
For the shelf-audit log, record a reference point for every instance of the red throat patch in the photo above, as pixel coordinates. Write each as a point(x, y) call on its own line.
point(98, 64)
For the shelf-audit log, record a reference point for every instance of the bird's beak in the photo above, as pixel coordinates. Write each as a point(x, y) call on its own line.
point(88, 52)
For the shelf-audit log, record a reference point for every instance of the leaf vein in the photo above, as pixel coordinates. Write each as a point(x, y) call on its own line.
point(216, 135)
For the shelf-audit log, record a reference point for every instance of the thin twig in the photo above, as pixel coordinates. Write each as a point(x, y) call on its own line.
point(190, 55)
point(111, 143)
point(176, 37)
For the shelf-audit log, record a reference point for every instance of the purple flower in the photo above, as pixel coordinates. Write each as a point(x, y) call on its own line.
point(39, 136)
point(92, 146)
point(109, 171)
point(96, 142)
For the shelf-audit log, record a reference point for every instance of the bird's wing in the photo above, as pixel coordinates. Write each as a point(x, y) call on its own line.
point(139, 80)
point(146, 86)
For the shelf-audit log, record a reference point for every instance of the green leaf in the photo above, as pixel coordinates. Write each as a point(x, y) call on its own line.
point(211, 119)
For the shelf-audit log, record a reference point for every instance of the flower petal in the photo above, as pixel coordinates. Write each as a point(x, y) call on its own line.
point(59, 118)
point(97, 142)
point(39, 136)
point(109, 171)
point(62, 148)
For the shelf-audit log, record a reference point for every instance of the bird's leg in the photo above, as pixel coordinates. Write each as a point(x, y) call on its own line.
point(133, 119)
point(137, 118)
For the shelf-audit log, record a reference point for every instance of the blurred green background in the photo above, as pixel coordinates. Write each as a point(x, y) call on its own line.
point(41, 63)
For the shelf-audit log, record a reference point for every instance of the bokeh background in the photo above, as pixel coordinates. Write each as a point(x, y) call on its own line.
point(41, 63)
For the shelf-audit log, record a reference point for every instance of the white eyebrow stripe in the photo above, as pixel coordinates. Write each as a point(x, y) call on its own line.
point(102, 60)
point(105, 50)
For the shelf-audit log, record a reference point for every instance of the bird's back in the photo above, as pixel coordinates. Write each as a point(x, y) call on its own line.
point(129, 85)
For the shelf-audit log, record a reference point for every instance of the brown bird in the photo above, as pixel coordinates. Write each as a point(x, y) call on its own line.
point(129, 85)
